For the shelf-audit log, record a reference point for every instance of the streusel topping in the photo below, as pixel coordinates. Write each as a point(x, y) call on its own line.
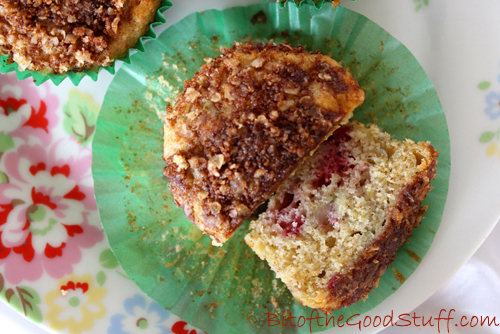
point(57, 36)
point(244, 123)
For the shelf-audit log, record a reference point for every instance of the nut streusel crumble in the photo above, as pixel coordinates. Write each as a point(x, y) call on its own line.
point(71, 35)
point(244, 123)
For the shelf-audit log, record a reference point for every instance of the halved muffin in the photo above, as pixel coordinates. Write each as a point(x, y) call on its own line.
point(333, 228)
point(244, 123)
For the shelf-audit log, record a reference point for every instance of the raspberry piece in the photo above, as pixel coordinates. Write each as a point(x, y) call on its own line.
point(331, 284)
point(336, 161)
point(288, 216)
point(291, 223)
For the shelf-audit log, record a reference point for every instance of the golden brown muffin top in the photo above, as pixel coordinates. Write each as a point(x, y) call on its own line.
point(58, 36)
point(243, 124)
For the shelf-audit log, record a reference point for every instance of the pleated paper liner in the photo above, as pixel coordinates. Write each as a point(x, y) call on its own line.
point(229, 289)
point(76, 77)
point(317, 3)
point(299, 3)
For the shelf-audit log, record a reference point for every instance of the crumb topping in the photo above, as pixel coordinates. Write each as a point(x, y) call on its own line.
point(57, 36)
point(244, 123)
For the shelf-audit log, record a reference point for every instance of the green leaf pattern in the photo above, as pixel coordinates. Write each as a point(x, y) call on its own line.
point(80, 115)
point(484, 85)
point(107, 259)
point(491, 138)
point(6, 142)
point(487, 136)
point(22, 299)
point(101, 278)
point(3, 177)
point(420, 4)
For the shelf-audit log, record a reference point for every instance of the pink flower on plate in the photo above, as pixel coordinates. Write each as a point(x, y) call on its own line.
point(26, 111)
point(45, 210)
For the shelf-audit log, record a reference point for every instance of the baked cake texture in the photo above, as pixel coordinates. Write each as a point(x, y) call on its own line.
point(71, 35)
point(243, 124)
point(334, 227)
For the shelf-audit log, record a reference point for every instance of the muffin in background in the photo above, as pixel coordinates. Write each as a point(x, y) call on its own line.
point(71, 36)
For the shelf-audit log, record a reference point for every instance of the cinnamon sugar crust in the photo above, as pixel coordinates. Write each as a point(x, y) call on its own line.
point(71, 35)
point(243, 124)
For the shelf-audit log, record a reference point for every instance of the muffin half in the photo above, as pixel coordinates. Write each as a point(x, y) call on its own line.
point(333, 228)
point(244, 123)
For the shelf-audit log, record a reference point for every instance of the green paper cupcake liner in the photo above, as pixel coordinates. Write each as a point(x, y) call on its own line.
point(229, 289)
point(299, 3)
point(76, 77)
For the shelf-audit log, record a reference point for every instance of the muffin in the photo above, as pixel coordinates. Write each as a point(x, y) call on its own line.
point(52, 37)
point(332, 229)
point(244, 123)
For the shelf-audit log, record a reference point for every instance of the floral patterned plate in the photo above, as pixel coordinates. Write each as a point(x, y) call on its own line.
point(56, 268)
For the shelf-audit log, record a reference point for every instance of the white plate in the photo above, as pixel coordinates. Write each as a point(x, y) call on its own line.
point(459, 47)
